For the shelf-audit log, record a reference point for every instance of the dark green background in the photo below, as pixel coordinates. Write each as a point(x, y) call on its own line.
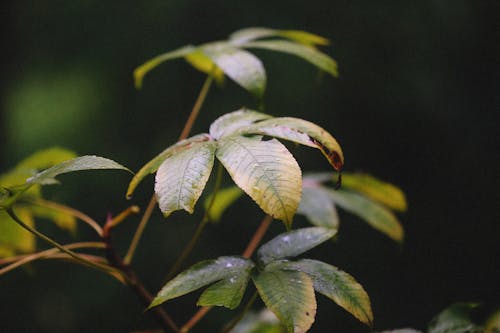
point(417, 103)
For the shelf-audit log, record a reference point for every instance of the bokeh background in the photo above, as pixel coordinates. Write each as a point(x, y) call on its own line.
point(416, 104)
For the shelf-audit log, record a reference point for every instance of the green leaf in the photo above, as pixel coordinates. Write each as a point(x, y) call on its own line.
point(227, 292)
point(181, 178)
point(455, 319)
point(262, 322)
point(243, 36)
point(380, 191)
point(231, 122)
point(317, 206)
point(300, 131)
point(292, 243)
point(304, 37)
point(290, 295)
point(45, 158)
point(142, 70)
point(77, 164)
point(337, 285)
point(200, 275)
point(241, 66)
point(13, 238)
point(309, 54)
point(204, 64)
point(266, 171)
point(224, 198)
point(373, 213)
point(155, 163)
point(62, 220)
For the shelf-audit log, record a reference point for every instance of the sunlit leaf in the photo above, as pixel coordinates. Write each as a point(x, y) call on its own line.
point(200, 275)
point(290, 295)
point(231, 122)
point(337, 285)
point(309, 54)
point(383, 192)
point(204, 64)
point(293, 243)
point(224, 198)
point(241, 66)
point(181, 178)
point(46, 158)
point(455, 319)
point(61, 219)
point(492, 324)
point(142, 70)
point(376, 215)
point(13, 238)
point(304, 37)
point(227, 292)
point(77, 164)
point(317, 206)
point(300, 131)
point(155, 163)
point(243, 36)
point(266, 171)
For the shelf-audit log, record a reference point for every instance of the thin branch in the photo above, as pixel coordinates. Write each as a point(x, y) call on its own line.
point(139, 231)
point(111, 223)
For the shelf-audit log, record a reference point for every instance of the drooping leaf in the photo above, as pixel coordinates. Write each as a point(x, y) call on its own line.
point(304, 37)
point(309, 54)
point(383, 192)
point(293, 243)
point(317, 206)
point(13, 238)
point(241, 66)
point(181, 178)
point(224, 198)
point(200, 275)
point(337, 285)
point(243, 36)
point(204, 64)
point(227, 292)
point(300, 131)
point(155, 163)
point(142, 70)
point(77, 164)
point(233, 121)
point(266, 171)
point(376, 215)
point(455, 319)
point(290, 295)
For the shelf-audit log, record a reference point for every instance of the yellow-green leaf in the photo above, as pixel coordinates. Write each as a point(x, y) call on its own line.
point(290, 296)
point(46, 158)
point(224, 198)
point(61, 219)
point(493, 323)
point(304, 37)
point(337, 285)
point(181, 178)
point(378, 190)
point(266, 171)
point(227, 292)
point(204, 64)
point(245, 35)
point(13, 238)
point(231, 122)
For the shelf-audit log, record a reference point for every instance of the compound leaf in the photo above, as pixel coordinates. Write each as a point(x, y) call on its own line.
point(293, 243)
point(266, 171)
point(200, 275)
point(181, 178)
point(204, 64)
point(337, 285)
point(233, 121)
point(243, 36)
point(290, 296)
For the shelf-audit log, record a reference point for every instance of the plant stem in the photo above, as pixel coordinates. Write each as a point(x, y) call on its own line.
point(250, 249)
point(56, 244)
point(240, 316)
point(201, 226)
point(70, 211)
point(184, 134)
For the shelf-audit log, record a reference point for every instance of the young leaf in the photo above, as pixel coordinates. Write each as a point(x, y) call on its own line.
point(375, 214)
point(142, 70)
point(200, 275)
point(224, 198)
point(317, 206)
point(155, 163)
point(227, 292)
point(290, 295)
point(233, 121)
point(77, 164)
point(266, 171)
point(181, 178)
point(337, 285)
point(309, 54)
point(293, 243)
point(385, 193)
point(241, 66)
point(455, 319)
point(300, 131)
